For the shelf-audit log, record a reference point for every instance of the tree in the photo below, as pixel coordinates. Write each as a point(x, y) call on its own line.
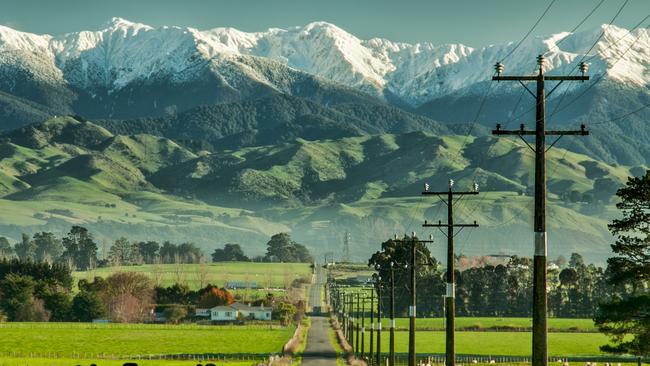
point(626, 318)
point(25, 249)
point(88, 305)
point(212, 296)
point(17, 296)
point(80, 249)
point(281, 248)
point(149, 251)
point(5, 248)
point(229, 253)
point(604, 188)
point(189, 253)
point(175, 313)
point(57, 302)
point(168, 252)
point(398, 252)
point(576, 261)
point(48, 247)
point(51, 274)
point(174, 294)
point(129, 296)
point(285, 312)
point(122, 252)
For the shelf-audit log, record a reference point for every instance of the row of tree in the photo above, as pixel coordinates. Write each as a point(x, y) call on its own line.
point(123, 252)
point(40, 291)
point(281, 248)
point(78, 250)
point(490, 290)
point(617, 297)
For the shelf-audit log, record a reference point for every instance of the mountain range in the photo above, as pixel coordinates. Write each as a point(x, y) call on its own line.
point(308, 129)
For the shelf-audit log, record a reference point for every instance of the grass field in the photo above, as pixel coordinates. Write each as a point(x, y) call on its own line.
point(69, 362)
point(267, 275)
point(501, 343)
point(68, 339)
point(554, 324)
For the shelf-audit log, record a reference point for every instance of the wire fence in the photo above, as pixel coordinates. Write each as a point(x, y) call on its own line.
point(261, 325)
point(214, 357)
point(439, 359)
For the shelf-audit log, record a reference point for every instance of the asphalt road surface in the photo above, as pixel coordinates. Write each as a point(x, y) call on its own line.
point(319, 350)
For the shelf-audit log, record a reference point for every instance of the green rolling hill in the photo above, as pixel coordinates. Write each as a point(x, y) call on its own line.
point(70, 171)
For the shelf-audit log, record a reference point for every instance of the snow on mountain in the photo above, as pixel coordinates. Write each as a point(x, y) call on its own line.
point(125, 52)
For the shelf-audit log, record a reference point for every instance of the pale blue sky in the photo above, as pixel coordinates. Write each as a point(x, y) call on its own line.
point(473, 22)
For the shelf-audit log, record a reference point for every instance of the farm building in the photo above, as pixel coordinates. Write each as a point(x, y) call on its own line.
point(235, 311)
point(223, 313)
point(252, 312)
point(233, 285)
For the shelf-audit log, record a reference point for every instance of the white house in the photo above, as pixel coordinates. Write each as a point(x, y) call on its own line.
point(235, 311)
point(252, 312)
point(202, 312)
point(223, 313)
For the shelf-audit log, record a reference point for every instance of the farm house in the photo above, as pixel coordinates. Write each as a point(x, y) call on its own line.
point(235, 311)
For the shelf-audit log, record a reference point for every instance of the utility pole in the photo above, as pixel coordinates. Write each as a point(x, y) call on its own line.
point(363, 326)
point(346, 247)
point(372, 324)
point(391, 325)
point(540, 302)
point(351, 323)
point(378, 353)
point(356, 348)
point(344, 313)
point(412, 308)
point(450, 299)
point(413, 305)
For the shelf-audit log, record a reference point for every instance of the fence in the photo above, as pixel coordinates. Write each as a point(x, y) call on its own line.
point(215, 357)
point(439, 359)
point(258, 325)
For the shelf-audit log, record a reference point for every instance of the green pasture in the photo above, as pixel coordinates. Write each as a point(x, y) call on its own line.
point(86, 340)
point(488, 323)
point(498, 343)
point(266, 275)
point(13, 361)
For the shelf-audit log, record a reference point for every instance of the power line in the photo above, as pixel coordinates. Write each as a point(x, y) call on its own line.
point(585, 56)
point(576, 27)
point(530, 31)
point(596, 79)
point(556, 109)
point(562, 96)
point(621, 117)
point(513, 117)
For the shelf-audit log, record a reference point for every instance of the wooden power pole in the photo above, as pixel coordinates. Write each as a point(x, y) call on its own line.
point(413, 240)
point(450, 298)
point(540, 302)
point(372, 324)
point(378, 286)
point(357, 315)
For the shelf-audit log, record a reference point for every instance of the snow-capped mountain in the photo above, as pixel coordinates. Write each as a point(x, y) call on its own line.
point(124, 54)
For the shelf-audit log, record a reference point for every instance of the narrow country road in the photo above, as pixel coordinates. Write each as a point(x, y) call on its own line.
point(319, 350)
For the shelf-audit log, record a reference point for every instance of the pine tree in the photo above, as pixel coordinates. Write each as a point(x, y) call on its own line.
point(629, 272)
point(25, 249)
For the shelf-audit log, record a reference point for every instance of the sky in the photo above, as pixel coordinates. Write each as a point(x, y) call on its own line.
point(472, 22)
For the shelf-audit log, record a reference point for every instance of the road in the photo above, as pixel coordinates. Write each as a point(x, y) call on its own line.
point(316, 287)
point(319, 350)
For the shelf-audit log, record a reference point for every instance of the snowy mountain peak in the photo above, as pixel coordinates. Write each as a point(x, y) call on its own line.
point(117, 23)
point(125, 52)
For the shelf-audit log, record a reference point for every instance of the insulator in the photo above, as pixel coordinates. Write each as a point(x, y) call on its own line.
point(584, 67)
point(499, 67)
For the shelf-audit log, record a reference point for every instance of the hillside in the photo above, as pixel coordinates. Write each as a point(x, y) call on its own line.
point(132, 73)
point(71, 171)
point(274, 119)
